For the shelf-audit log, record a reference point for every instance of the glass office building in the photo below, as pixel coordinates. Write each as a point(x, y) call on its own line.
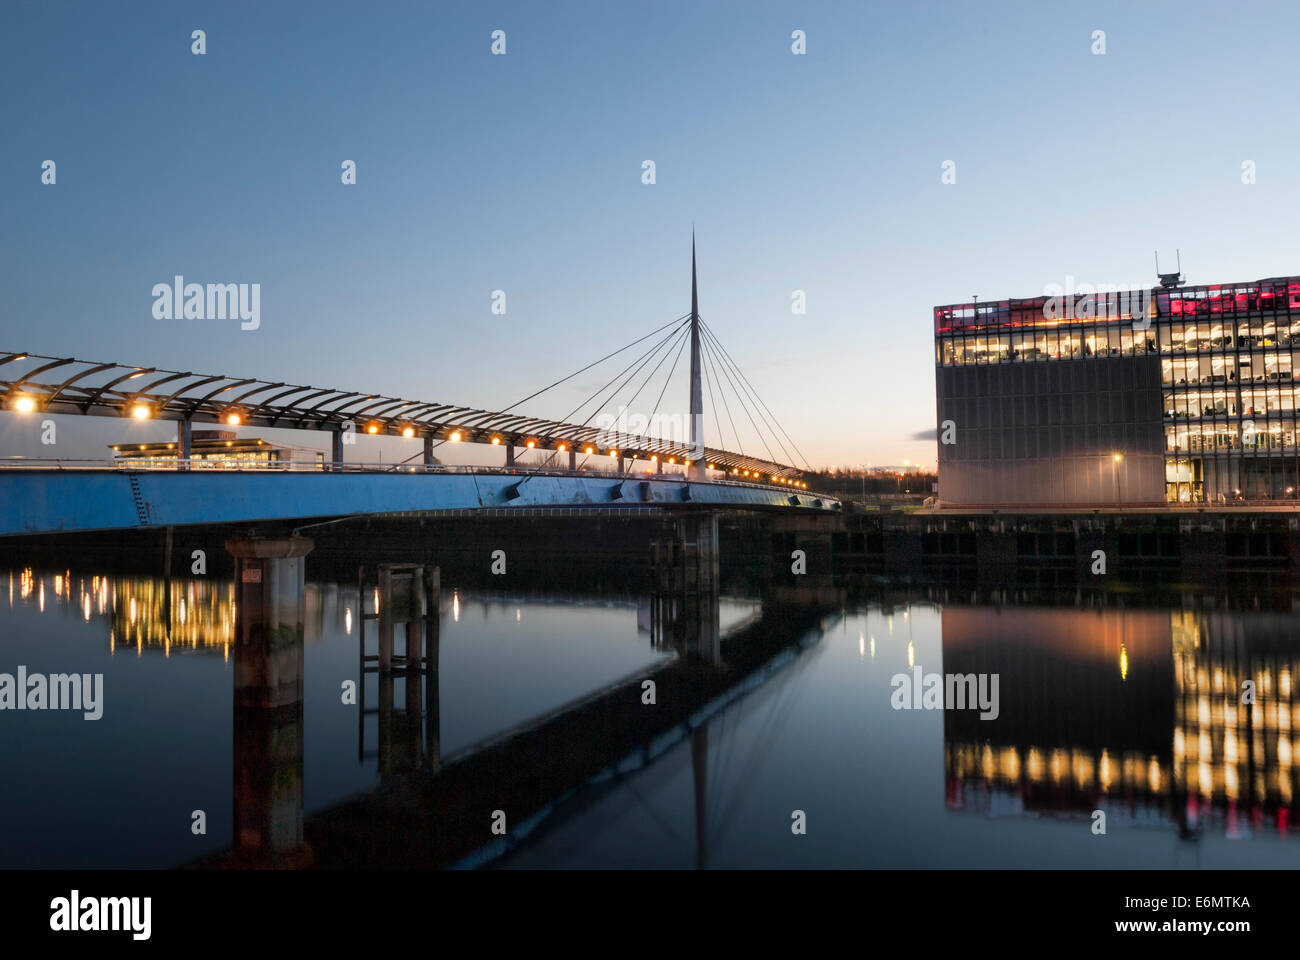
point(1171, 394)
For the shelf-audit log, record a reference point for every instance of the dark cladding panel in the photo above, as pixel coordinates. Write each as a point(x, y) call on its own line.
point(1078, 414)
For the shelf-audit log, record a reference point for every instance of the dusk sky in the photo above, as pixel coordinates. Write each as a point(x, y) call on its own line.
point(523, 173)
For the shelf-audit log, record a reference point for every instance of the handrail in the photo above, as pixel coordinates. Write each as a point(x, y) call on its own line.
point(170, 465)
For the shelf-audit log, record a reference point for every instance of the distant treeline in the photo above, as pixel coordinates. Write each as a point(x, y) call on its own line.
point(854, 483)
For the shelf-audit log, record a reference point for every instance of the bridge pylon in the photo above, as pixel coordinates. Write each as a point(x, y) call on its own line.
point(696, 471)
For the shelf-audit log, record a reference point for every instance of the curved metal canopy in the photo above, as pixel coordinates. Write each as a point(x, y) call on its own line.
point(92, 388)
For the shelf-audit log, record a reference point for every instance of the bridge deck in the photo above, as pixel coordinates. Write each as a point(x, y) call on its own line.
point(53, 501)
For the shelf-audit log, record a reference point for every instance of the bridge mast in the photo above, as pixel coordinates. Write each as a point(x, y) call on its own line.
point(696, 469)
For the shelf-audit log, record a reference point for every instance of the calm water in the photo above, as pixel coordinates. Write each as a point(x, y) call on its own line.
point(1133, 711)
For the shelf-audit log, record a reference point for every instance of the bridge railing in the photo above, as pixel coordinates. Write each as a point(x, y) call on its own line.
point(173, 465)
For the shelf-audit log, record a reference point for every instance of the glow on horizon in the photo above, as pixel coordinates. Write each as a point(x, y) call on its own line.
point(789, 192)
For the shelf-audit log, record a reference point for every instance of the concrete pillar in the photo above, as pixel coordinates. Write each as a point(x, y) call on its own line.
point(336, 451)
point(573, 459)
point(386, 698)
point(510, 454)
point(706, 621)
point(184, 436)
point(385, 621)
point(432, 625)
point(685, 578)
point(406, 597)
point(413, 740)
point(700, 777)
point(268, 721)
point(428, 451)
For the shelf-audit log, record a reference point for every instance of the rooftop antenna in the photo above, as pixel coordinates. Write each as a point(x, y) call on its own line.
point(1171, 280)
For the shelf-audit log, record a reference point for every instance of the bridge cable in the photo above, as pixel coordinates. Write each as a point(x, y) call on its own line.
point(769, 419)
point(765, 412)
point(671, 369)
point(645, 358)
point(679, 332)
point(560, 381)
point(649, 376)
point(725, 406)
point(708, 382)
point(590, 365)
point(745, 407)
point(716, 345)
point(742, 397)
point(756, 395)
point(640, 362)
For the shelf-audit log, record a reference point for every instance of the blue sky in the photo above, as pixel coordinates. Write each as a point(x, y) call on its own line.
point(522, 173)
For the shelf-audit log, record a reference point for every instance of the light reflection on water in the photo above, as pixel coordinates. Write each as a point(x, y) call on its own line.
point(1134, 712)
point(163, 746)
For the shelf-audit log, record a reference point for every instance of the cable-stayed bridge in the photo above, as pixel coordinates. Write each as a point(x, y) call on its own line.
point(594, 456)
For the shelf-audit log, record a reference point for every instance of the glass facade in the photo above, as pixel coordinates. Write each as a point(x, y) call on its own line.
point(1226, 356)
point(212, 450)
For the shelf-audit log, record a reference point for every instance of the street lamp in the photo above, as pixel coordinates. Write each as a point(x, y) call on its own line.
point(1114, 469)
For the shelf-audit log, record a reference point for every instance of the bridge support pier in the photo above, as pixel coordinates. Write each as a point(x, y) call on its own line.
point(432, 651)
point(428, 451)
point(409, 595)
point(806, 580)
point(510, 454)
point(684, 610)
point(573, 459)
point(700, 778)
point(184, 435)
point(336, 451)
point(268, 689)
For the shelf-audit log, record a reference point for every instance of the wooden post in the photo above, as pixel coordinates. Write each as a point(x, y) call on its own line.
point(414, 632)
point(432, 623)
point(385, 612)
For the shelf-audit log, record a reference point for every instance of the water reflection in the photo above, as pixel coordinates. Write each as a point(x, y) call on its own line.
point(1179, 717)
point(507, 658)
point(530, 700)
point(1134, 712)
